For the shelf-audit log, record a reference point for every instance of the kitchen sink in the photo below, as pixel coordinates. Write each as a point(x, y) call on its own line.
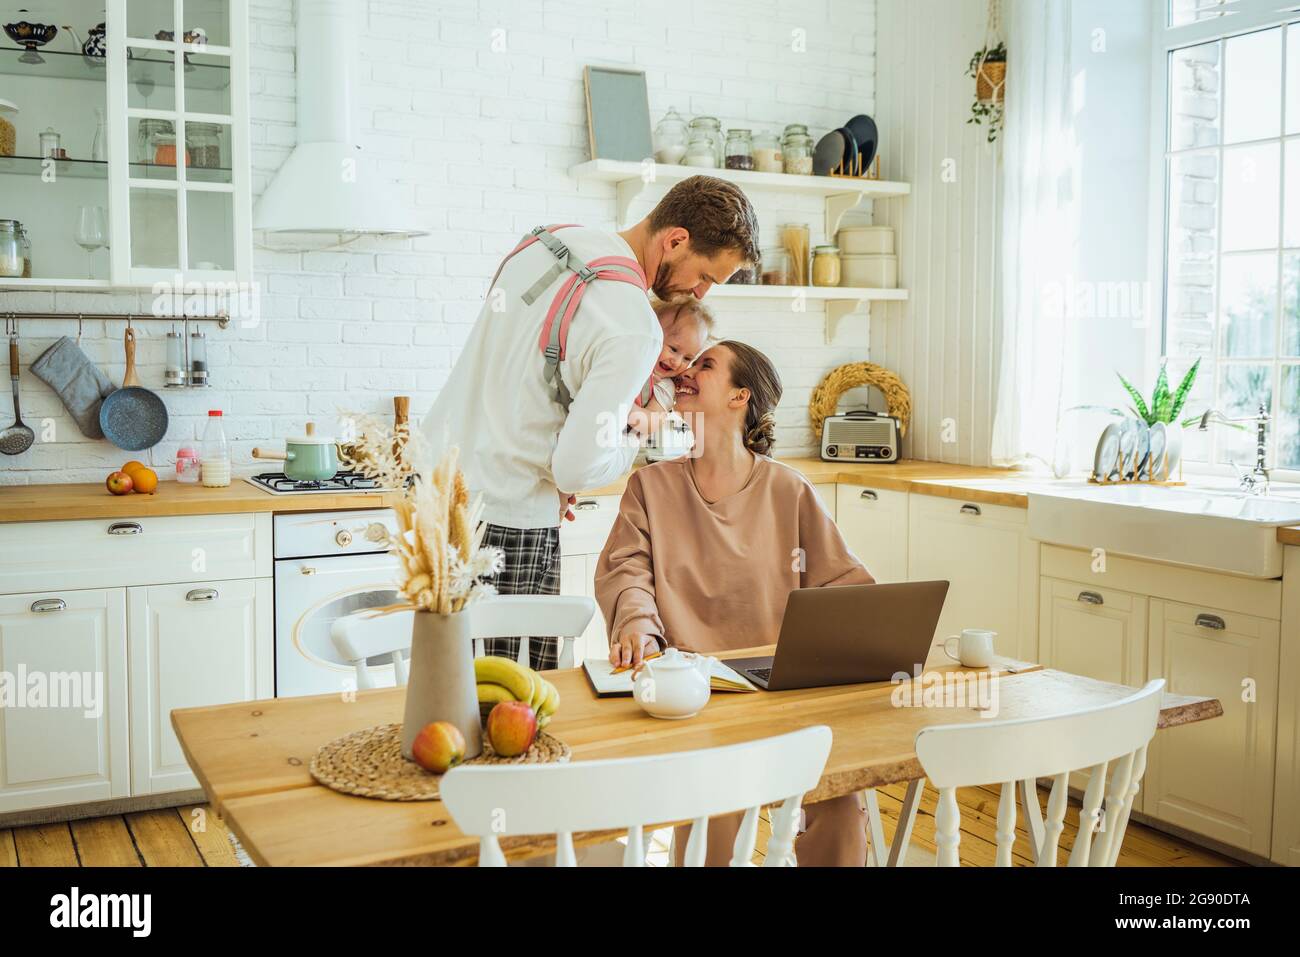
point(1217, 528)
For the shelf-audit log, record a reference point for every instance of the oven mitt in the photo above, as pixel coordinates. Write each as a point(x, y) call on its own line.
point(78, 382)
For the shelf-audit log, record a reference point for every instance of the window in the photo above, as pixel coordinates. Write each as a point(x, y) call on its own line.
point(1232, 221)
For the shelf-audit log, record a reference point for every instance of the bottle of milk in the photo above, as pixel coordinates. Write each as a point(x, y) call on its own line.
point(214, 462)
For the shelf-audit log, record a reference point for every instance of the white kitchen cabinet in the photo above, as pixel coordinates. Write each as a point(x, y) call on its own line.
point(1215, 777)
point(166, 219)
point(191, 645)
point(827, 492)
point(73, 643)
point(1093, 631)
point(577, 577)
point(985, 553)
point(1286, 793)
point(874, 524)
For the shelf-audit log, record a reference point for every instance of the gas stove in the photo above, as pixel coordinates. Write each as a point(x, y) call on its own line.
point(277, 483)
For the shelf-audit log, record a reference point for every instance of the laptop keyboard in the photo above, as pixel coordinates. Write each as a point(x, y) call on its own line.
point(764, 673)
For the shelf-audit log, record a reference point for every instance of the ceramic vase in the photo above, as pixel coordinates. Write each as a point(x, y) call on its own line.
point(441, 686)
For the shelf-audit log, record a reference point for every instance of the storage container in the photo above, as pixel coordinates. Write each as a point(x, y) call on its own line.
point(866, 240)
point(871, 272)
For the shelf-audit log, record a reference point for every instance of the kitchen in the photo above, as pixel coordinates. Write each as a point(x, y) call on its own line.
point(195, 222)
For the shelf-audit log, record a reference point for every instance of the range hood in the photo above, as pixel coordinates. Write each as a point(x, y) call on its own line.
point(327, 186)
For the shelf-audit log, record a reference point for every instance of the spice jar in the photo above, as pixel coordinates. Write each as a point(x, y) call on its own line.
point(670, 138)
point(51, 144)
point(826, 266)
point(739, 150)
point(710, 127)
point(15, 250)
point(198, 360)
point(174, 375)
point(775, 267)
point(797, 154)
point(145, 132)
point(164, 150)
point(699, 152)
point(767, 153)
point(203, 144)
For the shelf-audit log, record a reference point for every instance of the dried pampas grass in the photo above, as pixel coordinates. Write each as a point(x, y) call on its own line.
point(443, 561)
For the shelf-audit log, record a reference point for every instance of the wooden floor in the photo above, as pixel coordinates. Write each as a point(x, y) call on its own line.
point(193, 837)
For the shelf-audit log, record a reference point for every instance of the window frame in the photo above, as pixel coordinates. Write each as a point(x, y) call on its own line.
point(1240, 17)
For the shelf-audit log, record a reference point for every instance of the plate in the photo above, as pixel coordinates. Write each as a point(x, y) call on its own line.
point(1127, 448)
point(1105, 463)
point(864, 131)
point(828, 153)
point(1164, 441)
point(1142, 451)
point(850, 148)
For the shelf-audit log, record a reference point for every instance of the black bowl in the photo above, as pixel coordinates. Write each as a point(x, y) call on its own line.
point(31, 35)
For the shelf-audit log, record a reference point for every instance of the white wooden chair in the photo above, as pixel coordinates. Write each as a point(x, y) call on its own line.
point(1110, 737)
point(492, 801)
point(363, 634)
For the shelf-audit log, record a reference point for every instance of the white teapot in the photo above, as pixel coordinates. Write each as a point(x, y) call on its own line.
point(674, 685)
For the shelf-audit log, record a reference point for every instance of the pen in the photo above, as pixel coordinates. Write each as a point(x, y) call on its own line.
point(622, 668)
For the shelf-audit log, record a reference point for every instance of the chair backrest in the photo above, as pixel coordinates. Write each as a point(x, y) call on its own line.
point(1110, 737)
point(491, 801)
point(367, 634)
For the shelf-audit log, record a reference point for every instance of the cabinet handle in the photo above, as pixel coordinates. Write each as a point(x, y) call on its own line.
point(586, 505)
point(969, 509)
point(869, 495)
point(125, 528)
point(307, 570)
point(1210, 621)
point(201, 594)
point(1091, 598)
point(49, 604)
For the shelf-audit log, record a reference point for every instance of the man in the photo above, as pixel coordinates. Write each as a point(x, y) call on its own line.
point(519, 446)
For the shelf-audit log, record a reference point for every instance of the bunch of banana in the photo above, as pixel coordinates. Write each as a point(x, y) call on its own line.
point(503, 679)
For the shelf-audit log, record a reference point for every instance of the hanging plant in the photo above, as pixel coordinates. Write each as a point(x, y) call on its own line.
point(988, 67)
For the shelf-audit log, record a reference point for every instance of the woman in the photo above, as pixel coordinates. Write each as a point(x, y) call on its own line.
point(706, 549)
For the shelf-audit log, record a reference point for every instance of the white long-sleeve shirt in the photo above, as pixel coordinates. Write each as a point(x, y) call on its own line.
point(517, 446)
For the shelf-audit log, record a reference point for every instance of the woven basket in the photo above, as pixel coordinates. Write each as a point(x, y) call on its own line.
point(991, 81)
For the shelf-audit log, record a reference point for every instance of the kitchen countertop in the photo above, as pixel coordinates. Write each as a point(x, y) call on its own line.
point(39, 503)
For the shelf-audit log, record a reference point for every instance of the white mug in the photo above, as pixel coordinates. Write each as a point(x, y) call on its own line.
point(974, 647)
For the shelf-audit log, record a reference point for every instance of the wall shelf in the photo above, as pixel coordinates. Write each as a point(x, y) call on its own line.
point(840, 300)
point(840, 193)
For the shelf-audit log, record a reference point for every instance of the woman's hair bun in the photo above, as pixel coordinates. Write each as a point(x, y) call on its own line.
point(761, 436)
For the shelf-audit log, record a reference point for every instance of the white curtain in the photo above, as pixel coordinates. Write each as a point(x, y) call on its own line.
point(1040, 232)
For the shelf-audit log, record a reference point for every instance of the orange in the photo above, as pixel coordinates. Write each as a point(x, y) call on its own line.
point(146, 480)
point(130, 467)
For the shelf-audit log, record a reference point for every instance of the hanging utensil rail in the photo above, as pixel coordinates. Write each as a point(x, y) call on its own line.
point(221, 319)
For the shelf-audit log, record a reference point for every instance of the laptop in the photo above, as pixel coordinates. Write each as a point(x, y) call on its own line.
point(849, 634)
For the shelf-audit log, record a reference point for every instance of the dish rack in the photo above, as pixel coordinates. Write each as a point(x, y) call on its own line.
point(1136, 479)
point(856, 171)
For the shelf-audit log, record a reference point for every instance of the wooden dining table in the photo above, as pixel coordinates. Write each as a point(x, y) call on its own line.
point(253, 758)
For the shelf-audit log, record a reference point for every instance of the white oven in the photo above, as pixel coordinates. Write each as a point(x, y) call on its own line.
point(327, 565)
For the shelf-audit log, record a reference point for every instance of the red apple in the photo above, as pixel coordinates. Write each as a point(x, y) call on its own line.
point(511, 727)
point(439, 747)
point(120, 483)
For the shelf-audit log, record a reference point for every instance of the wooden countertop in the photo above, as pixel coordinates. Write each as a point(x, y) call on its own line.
point(41, 503)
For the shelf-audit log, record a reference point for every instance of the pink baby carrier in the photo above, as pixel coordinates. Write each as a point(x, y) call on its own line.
point(555, 330)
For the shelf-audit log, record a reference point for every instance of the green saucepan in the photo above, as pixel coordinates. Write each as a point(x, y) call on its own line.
point(307, 458)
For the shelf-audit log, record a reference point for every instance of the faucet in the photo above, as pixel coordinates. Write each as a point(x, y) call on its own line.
point(1255, 481)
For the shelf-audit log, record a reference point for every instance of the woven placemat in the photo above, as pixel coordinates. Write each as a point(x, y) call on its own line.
point(369, 764)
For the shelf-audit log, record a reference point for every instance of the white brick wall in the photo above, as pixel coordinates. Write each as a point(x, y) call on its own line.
point(481, 142)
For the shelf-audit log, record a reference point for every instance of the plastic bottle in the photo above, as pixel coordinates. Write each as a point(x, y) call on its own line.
point(214, 467)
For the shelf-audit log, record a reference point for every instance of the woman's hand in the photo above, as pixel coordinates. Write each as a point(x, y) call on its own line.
point(631, 648)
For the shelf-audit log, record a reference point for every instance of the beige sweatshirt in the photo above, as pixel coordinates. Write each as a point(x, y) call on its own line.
point(713, 577)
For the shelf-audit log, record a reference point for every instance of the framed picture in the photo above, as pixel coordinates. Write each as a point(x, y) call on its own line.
point(618, 114)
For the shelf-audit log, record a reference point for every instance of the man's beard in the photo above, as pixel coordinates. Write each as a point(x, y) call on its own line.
point(661, 285)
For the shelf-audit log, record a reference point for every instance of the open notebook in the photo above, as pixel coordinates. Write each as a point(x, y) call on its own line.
point(606, 684)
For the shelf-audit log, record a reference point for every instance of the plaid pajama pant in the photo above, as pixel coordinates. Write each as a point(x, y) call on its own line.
point(532, 567)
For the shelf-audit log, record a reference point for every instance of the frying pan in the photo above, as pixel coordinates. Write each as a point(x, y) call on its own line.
point(133, 418)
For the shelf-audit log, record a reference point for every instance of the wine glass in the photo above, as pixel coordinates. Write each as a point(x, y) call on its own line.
point(92, 233)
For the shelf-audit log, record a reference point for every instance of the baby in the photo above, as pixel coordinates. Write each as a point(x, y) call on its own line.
point(686, 326)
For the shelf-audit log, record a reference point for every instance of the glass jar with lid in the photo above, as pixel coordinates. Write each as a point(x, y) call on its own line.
point(700, 152)
point(775, 270)
point(797, 154)
point(710, 127)
point(203, 143)
point(794, 129)
point(198, 360)
point(15, 250)
point(767, 153)
point(739, 150)
point(144, 138)
point(670, 138)
point(826, 266)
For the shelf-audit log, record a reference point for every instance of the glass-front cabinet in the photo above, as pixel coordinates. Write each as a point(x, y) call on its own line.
point(128, 150)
